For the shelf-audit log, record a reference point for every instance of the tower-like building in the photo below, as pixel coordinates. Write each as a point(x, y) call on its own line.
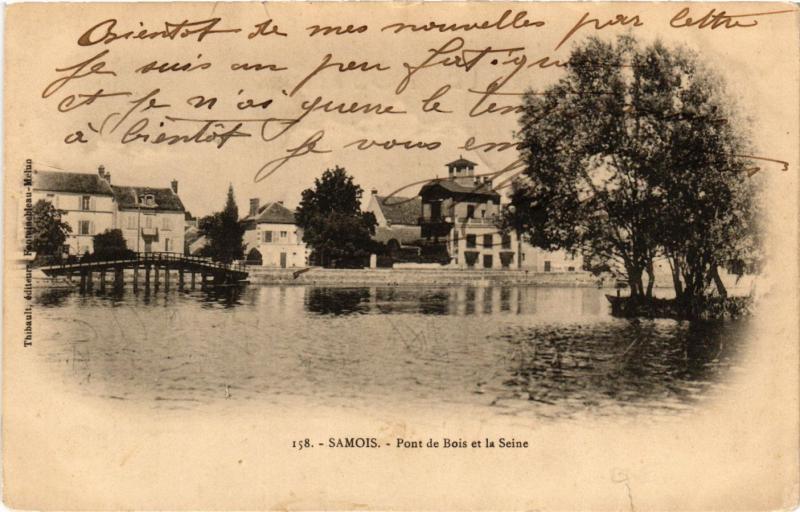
point(462, 212)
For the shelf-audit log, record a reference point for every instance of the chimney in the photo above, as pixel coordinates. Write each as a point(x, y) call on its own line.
point(101, 171)
point(254, 203)
point(174, 185)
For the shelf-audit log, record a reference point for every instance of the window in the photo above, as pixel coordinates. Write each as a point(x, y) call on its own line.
point(84, 227)
point(571, 269)
point(267, 237)
point(547, 266)
point(471, 241)
point(470, 258)
point(487, 240)
point(166, 223)
point(283, 235)
point(86, 203)
point(166, 245)
point(506, 241)
point(470, 211)
point(488, 261)
point(436, 210)
point(148, 221)
point(131, 222)
point(149, 200)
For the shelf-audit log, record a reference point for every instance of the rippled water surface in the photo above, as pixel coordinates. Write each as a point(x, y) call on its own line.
point(551, 352)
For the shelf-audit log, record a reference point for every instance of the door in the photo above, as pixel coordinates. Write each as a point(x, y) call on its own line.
point(148, 246)
point(283, 260)
point(487, 261)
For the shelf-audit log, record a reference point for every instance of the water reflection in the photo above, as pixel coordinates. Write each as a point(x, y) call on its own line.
point(550, 352)
point(628, 362)
point(464, 300)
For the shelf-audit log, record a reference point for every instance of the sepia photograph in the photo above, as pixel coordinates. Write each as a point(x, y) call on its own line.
point(464, 256)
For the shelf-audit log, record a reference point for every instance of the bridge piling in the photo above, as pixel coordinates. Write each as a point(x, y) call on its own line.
point(135, 278)
point(103, 280)
point(156, 275)
point(147, 276)
point(89, 282)
point(193, 276)
point(180, 278)
point(119, 278)
point(83, 281)
point(166, 277)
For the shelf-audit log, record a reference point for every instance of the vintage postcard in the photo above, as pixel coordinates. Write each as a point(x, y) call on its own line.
point(401, 256)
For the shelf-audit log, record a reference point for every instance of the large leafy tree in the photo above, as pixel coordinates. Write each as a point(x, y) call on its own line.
point(224, 232)
point(334, 226)
point(48, 232)
point(633, 155)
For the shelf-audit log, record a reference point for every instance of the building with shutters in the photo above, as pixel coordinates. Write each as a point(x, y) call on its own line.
point(86, 200)
point(272, 237)
point(462, 213)
point(151, 219)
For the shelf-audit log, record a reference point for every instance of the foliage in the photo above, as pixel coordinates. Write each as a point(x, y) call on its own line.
point(254, 257)
point(631, 156)
point(334, 226)
point(48, 231)
point(224, 232)
point(111, 245)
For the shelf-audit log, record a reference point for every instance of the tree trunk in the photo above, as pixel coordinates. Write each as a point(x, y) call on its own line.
point(651, 279)
point(718, 281)
point(675, 267)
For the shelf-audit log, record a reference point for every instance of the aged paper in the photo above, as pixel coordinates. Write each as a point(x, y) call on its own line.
point(490, 256)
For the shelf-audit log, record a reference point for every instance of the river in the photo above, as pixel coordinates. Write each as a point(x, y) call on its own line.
point(545, 352)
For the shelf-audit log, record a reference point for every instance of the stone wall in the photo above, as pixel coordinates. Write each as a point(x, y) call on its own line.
point(391, 277)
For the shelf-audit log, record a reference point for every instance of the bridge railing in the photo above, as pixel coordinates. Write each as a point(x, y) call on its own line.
point(157, 257)
point(153, 257)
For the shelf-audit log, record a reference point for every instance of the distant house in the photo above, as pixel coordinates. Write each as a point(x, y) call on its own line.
point(462, 212)
point(151, 219)
point(398, 219)
point(86, 200)
point(271, 230)
point(539, 260)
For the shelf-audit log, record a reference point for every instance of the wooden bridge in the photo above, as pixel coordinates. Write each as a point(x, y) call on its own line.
point(156, 267)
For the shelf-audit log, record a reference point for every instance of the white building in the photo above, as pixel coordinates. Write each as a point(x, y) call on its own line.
point(272, 232)
point(151, 219)
point(86, 200)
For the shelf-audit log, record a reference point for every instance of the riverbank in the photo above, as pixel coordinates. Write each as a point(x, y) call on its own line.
point(368, 277)
point(398, 277)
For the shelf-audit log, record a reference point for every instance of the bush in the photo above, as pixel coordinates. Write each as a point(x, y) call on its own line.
point(110, 245)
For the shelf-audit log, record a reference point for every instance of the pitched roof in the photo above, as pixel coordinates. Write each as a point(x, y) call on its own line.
point(483, 189)
point(400, 210)
point(165, 198)
point(273, 213)
point(76, 182)
point(461, 162)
